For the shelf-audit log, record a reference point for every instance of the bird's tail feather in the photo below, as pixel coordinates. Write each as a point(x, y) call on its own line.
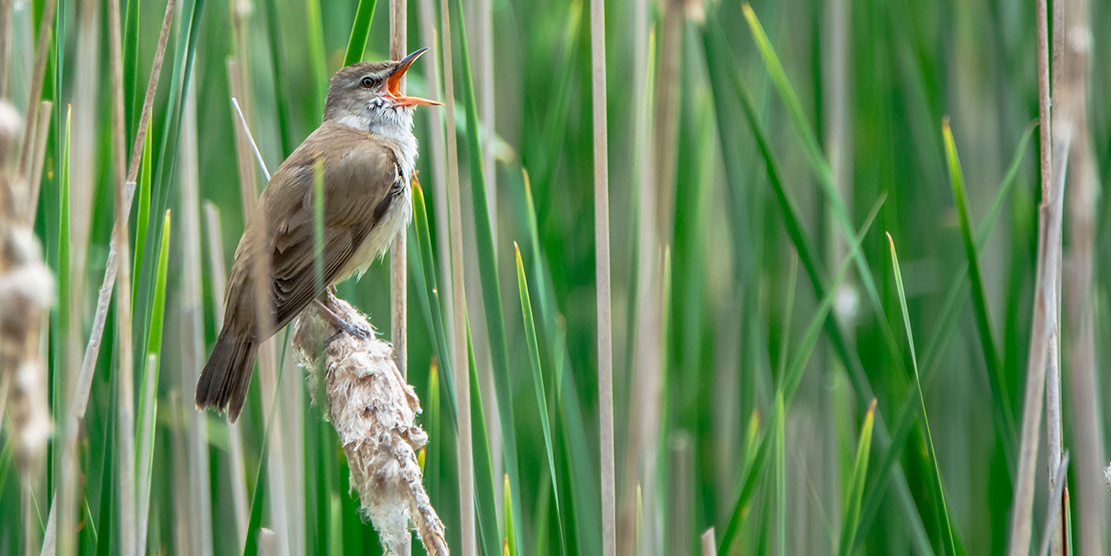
point(224, 380)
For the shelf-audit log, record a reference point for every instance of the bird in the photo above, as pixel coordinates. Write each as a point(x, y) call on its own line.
point(366, 149)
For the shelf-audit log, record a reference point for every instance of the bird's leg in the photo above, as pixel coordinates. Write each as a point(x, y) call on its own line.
point(344, 326)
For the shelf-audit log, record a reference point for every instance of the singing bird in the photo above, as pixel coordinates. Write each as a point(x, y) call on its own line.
point(366, 149)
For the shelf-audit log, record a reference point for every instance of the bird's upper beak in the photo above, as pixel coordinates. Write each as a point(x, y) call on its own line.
point(393, 83)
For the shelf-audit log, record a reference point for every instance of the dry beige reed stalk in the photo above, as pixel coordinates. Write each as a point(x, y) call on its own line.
point(459, 300)
point(374, 411)
point(26, 292)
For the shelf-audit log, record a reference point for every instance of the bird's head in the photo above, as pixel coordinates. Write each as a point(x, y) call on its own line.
point(367, 96)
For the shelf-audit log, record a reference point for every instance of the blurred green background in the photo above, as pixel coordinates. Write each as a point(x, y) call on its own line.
point(709, 272)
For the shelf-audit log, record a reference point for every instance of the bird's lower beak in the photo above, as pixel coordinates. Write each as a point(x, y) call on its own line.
point(393, 83)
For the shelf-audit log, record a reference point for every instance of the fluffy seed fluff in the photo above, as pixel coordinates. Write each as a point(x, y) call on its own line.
point(26, 292)
point(374, 412)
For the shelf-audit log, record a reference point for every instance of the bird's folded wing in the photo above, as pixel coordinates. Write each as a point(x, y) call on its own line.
point(359, 173)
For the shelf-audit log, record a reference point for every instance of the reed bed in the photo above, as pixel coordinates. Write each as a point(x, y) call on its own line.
point(685, 278)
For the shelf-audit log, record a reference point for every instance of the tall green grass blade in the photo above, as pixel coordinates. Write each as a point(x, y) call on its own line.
point(181, 75)
point(810, 337)
point(1001, 403)
point(433, 422)
point(148, 385)
point(851, 516)
point(142, 213)
point(158, 307)
point(861, 385)
point(538, 381)
point(488, 272)
point(486, 512)
point(108, 544)
point(785, 337)
point(250, 548)
point(426, 271)
point(555, 127)
point(943, 331)
point(983, 233)
point(132, 102)
point(938, 486)
point(359, 32)
point(581, 504)
point(509, 541)
point(64, 277)
point(754, 467)
point(821, 167)
point(6, 461)
point(750, 476)
point(780, 476)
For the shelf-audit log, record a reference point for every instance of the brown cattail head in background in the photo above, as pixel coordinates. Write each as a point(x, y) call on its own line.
point(26, 292)
point(374, 412)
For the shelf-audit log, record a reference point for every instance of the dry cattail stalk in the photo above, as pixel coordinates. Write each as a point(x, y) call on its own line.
point(374, 412)
point(26, 292)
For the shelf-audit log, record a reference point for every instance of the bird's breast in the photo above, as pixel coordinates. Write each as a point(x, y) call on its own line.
point(396, 216)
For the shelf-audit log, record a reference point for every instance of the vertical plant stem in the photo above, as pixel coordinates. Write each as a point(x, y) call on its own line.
point(85, 152)
point(486, 90)
point(31, 117)
point(193, 349)
point(92, 349)
point(646, 365)
point(1060, 137)
point(219, 276)
point(602, 273)
point(398, 270)
point(680, 493)
point(126, 380)
point(42, 133)
point(459, 311)
point(708, 543)
point(837, 113)
point(1088, 436)
point(439, 177)
point(1043, 327)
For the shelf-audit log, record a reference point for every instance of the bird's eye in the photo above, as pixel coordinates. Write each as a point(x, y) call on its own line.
point(367, 82)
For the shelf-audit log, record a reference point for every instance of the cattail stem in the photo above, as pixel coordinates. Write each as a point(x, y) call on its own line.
point(398, 269)
point(1043, 328)
point(602, 274)
point(459, 310)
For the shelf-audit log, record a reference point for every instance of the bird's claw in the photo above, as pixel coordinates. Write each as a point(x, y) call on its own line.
point(349, 329)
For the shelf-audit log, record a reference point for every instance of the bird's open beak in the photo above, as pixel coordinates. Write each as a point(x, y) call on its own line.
point(393, 83)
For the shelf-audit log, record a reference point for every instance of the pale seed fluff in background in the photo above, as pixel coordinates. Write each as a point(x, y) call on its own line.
point(374, 411)
point(26, 293)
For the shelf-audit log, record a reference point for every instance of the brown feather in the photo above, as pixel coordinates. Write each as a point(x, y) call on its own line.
point(361, 179)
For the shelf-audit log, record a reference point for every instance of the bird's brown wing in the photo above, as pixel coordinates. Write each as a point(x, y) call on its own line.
point(359, 184)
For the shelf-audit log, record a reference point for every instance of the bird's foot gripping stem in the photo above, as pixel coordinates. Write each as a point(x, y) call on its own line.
point(343, 326)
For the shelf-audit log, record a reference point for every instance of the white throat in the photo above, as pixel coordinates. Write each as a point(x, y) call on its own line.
point(393, 124)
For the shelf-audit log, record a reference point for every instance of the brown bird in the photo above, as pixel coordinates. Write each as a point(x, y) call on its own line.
point(367, 150)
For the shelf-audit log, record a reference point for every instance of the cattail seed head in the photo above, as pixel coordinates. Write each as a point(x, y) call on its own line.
point(374, 412)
